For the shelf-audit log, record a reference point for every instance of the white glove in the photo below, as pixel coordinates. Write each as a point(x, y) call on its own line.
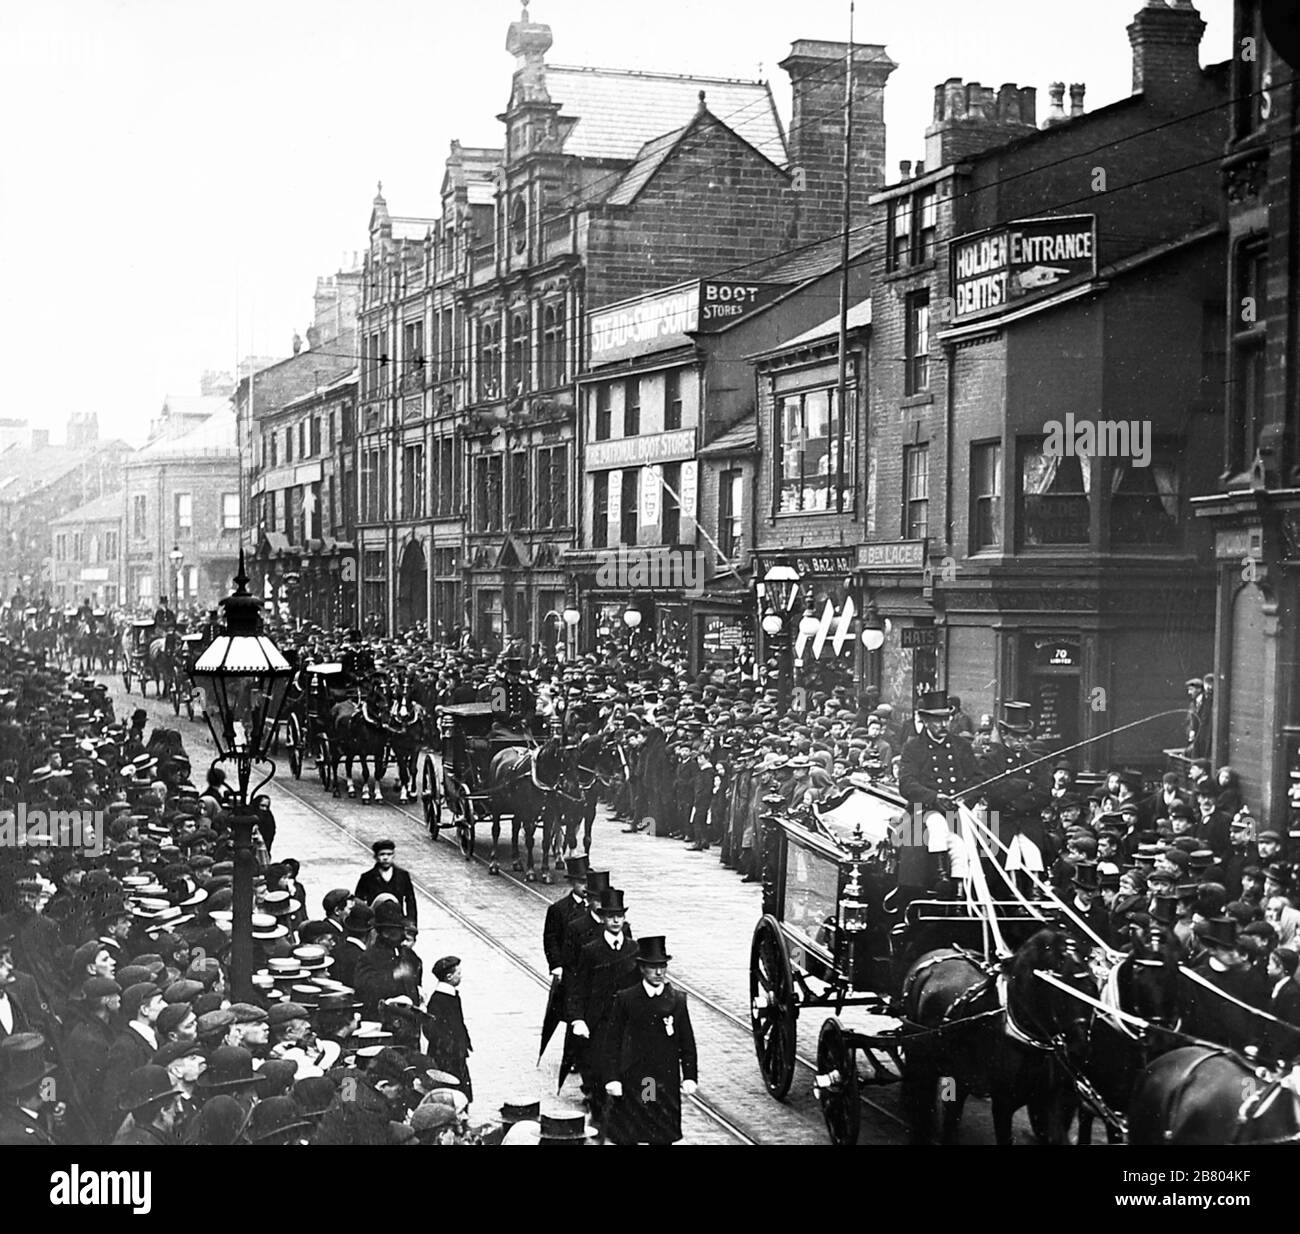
point(614, 1088)
point(557, 972)
point(688, 1088)
point(401, 1000)
point(580, 1029)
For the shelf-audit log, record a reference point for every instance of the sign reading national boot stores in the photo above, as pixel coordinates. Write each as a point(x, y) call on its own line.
point(1020, 262)
point(666, 319)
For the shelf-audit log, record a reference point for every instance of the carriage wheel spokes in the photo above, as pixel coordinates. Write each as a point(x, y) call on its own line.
point(429, 796)
point(293, 738)
point(773, 1009)
point(837, 1082)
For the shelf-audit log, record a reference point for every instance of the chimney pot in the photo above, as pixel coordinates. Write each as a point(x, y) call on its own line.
point(1076, 98)
point(905, 169)
point(920, 168)
point(1056, 108)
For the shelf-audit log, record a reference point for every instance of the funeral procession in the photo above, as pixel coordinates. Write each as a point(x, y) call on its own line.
point(716, 632)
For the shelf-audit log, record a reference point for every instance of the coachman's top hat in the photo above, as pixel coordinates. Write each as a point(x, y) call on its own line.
point(1217, 932)
point(933, 703)
point(652, 949)
point(1085, 875)
point(1017, 717)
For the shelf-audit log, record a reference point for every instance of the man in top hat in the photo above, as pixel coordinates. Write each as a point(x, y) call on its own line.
point(651, 1060)
point(606, 965)
point(386, 876)
point(447, 1038)
point(385, 979)
point(1021, 793)
point(934, 770)
point(26, 1116)
point(1087, 904)
point(1225, 965)
point(564, 910)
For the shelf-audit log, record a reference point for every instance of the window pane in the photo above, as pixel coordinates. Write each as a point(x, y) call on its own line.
point(1054, 501)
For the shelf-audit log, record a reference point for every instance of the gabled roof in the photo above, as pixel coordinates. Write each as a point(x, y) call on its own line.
point(859, 316)
point(617, 111)
point(652, 156)
point(25, 470)
point(101, 510)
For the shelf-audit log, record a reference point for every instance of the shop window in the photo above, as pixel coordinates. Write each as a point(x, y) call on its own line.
point(809, 453)
point(985, 495)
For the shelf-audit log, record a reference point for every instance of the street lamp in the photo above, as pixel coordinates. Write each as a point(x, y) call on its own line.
point(176, 557)
point(779, 586)
point(873, 629)
point(243, 673)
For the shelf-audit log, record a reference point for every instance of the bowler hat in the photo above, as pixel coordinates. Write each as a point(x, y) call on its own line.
point(360, 917)
point(229, 1067)
point(22, 1061)
point(565, 1127)
point(221, 1121)
point(145, 1084)
point(275, 1116)
point(388, 915)
point(652, 949)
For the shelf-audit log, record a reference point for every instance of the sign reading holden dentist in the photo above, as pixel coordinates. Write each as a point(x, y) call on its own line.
point(1021, 261)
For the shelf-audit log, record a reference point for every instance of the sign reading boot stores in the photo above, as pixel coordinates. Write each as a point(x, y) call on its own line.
point(1021, 262)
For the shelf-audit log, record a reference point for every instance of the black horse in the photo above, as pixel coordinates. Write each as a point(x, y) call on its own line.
point(360, 734)
point(1204, 1095)
point(598, 763)
point(408, 731)
point(968, 1043)
point(527, 783)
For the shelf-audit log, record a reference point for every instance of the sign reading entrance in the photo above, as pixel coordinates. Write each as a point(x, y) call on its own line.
point(1020, 261)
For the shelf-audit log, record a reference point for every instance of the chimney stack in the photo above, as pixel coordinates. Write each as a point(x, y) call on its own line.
point(904, 169)
point(971, 118)
point(817, 70)
point(1056, 106)
point(1166, 48)
point(1076, 99)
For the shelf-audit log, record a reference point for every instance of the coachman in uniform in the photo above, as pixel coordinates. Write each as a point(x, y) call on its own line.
point(652, 1061)
point(933, 771)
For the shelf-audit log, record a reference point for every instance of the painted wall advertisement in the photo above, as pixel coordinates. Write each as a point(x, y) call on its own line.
point(1030, 259)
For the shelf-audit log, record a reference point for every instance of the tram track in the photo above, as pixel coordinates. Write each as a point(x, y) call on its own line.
point(742, 1129)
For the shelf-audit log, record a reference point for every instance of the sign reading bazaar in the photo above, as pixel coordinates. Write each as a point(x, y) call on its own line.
point(997, 269)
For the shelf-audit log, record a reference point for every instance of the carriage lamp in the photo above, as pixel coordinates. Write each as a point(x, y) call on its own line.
point(245, 678)
point(853, 903)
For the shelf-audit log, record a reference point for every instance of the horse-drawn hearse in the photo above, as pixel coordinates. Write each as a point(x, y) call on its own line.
point(841, 929)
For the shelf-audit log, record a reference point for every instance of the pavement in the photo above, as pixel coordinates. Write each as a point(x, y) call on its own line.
point(494, 924)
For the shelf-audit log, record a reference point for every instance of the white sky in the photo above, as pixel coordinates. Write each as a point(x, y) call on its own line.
point(170, 167)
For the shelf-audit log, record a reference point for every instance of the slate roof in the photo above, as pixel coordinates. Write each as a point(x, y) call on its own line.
point(651, 157)
point(214, 438)
point(25, 470)
point(808, 263)
point(740, 438)
point(411, 228)
point(859, 316)
point(101, 510)
point(618, 111)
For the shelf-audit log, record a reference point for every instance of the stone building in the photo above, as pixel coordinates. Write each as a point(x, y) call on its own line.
point(86, 561)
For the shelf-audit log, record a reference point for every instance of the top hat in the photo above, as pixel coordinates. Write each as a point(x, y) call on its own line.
point(611, 901)
point(597, 882)
point(564, 1127)
point(933, 703)
point(516, 1111)
point(1017, 717)
point(22, 1061)
point(652, 949)
point(576, 868)
point(1085, 876)
point(1217, 931)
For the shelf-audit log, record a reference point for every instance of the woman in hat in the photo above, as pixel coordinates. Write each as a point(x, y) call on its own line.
point(651, 1061)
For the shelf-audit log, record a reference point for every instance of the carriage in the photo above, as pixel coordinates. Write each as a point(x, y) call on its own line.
point(470, 737)
point(307, 726)
point(182, 689)
point(839, 930)
point(135, 654)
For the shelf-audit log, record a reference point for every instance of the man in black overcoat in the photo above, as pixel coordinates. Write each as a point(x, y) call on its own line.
point(562, 912)
point(651, 1061)
point(605, 966)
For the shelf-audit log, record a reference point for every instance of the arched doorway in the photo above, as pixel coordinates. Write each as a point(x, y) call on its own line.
point(412, 587)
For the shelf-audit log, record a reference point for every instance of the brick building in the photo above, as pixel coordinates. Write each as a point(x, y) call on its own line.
point(38, 483)
point(1254, 506)
point(609, 184)
point(86, 561)
point(669, 449)
point(181, 524)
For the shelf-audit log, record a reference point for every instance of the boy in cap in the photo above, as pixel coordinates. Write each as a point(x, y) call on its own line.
point(386, 876)
point(651, 1060)
point(447, 1039)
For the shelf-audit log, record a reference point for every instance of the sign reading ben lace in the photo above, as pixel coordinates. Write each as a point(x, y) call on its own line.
point(1031, 258)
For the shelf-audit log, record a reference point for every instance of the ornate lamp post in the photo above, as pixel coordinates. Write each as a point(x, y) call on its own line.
point(245, 677)
point(632, 617)
point(571, 616)
point(777, 588)
point(176, 557)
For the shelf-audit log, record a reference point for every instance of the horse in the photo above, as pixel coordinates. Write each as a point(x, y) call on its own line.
point(598, 763)
point(360, 733)
point(526, 783)
point(963, 1041)
point(160, 662)
point(408, 724)
point(1209, 1095)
